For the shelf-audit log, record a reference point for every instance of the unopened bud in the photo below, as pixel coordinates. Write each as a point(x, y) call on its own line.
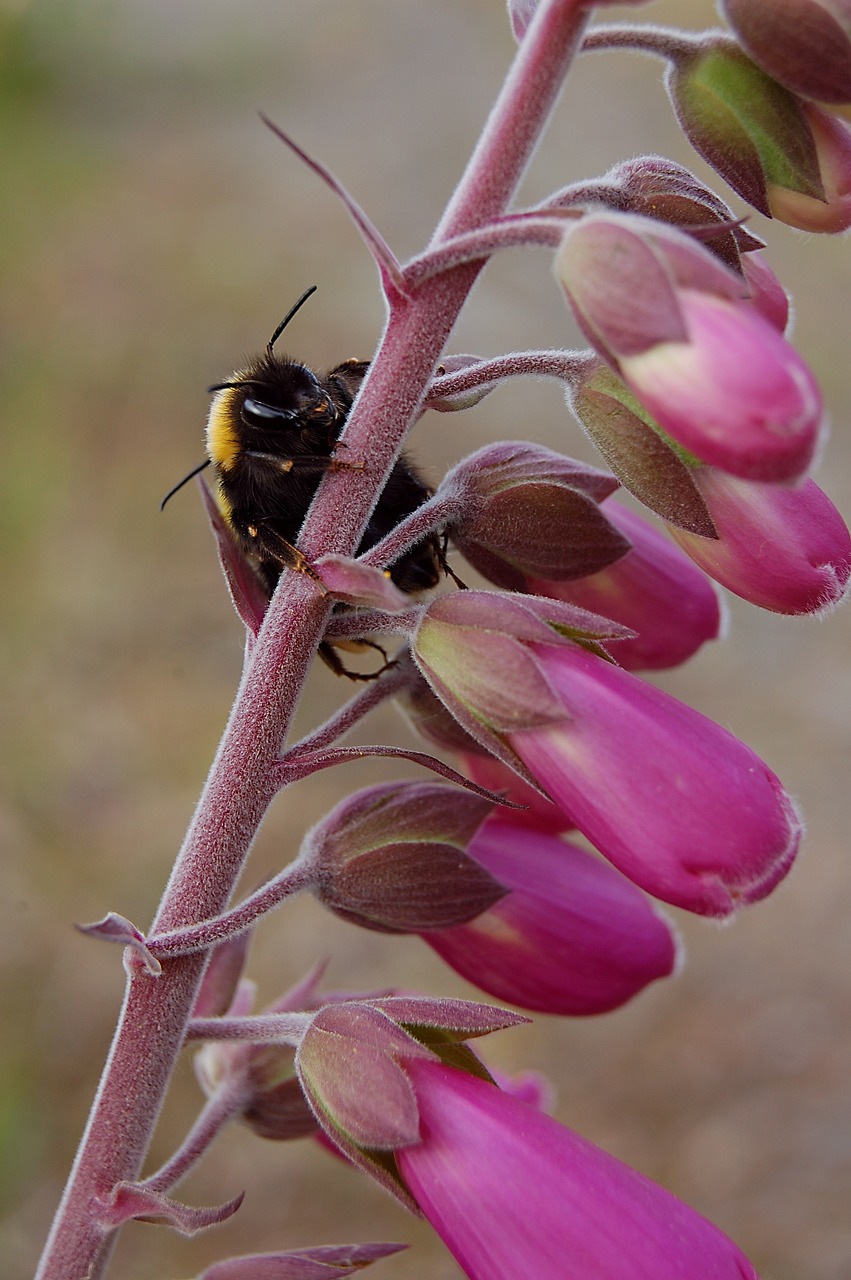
point(393, 857)
point(530, 511)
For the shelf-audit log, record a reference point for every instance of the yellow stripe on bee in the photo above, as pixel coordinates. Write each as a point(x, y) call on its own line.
point(223, 443)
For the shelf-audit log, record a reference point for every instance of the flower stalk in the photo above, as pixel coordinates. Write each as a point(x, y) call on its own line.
point(153, 1020)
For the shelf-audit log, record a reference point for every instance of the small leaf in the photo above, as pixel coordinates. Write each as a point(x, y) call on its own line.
point(453, 1019)
point(247, 593)
point(354, 583)
point(116, 928)
point(132, 1200)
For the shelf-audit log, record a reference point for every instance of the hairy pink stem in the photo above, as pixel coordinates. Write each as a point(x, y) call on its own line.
point(153, 1021)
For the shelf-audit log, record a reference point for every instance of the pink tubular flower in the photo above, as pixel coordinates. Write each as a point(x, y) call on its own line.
point(682, 807)
point(677, 803)
point(788, 550)
point(514, 1193)
point(734, 393)
point(572, 937)
point(672, 608)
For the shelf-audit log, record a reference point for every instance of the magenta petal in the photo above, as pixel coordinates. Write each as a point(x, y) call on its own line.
point(572, 937)
point(671, 606)
point(513, 1193)
point(783, 549)
point(682, 807)
point(735, 394)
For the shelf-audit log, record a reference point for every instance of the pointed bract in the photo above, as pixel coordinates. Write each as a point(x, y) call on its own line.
point(324, 1262)
point(745, 124)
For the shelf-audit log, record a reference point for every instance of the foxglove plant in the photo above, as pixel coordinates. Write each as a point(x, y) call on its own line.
point(701, 409)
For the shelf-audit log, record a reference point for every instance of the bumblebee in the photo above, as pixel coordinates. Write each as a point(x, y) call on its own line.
point(272, 433)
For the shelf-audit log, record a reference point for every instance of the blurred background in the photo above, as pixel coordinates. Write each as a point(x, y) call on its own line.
point(154, 232)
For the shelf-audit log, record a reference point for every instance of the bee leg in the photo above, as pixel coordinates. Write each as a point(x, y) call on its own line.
point(270, 545)
point(328, 654)
point(446, 566)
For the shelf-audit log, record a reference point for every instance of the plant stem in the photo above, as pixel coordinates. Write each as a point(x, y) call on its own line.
point(155, 1014)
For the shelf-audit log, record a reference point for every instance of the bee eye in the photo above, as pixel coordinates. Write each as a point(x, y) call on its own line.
point(255, 410)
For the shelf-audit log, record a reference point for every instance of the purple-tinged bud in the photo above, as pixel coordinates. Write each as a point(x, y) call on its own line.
point(654, 589)
point(805, 44)
point(660, 188)
point(630, 441)
point(788, 550)
point(832, 141)
point(751, 129)
point(392, 858)
point(720, 381)
point(514, 1193)
point(767, 295)
point(573, 937)
point(530, 511)
point(677, 803)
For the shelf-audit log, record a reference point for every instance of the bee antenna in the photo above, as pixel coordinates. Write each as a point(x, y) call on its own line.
point(194, 472)
point(288, 317)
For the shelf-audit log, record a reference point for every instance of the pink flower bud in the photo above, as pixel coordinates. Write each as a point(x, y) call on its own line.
point(514, 1193)
point(787, 550)
point(662, 189)
point(747, 125)
point(676, 802)
point(674, 322)
point(528, 510)
point(392, 858)
point(734, 394)
point(572, 937)
point(653, 589)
